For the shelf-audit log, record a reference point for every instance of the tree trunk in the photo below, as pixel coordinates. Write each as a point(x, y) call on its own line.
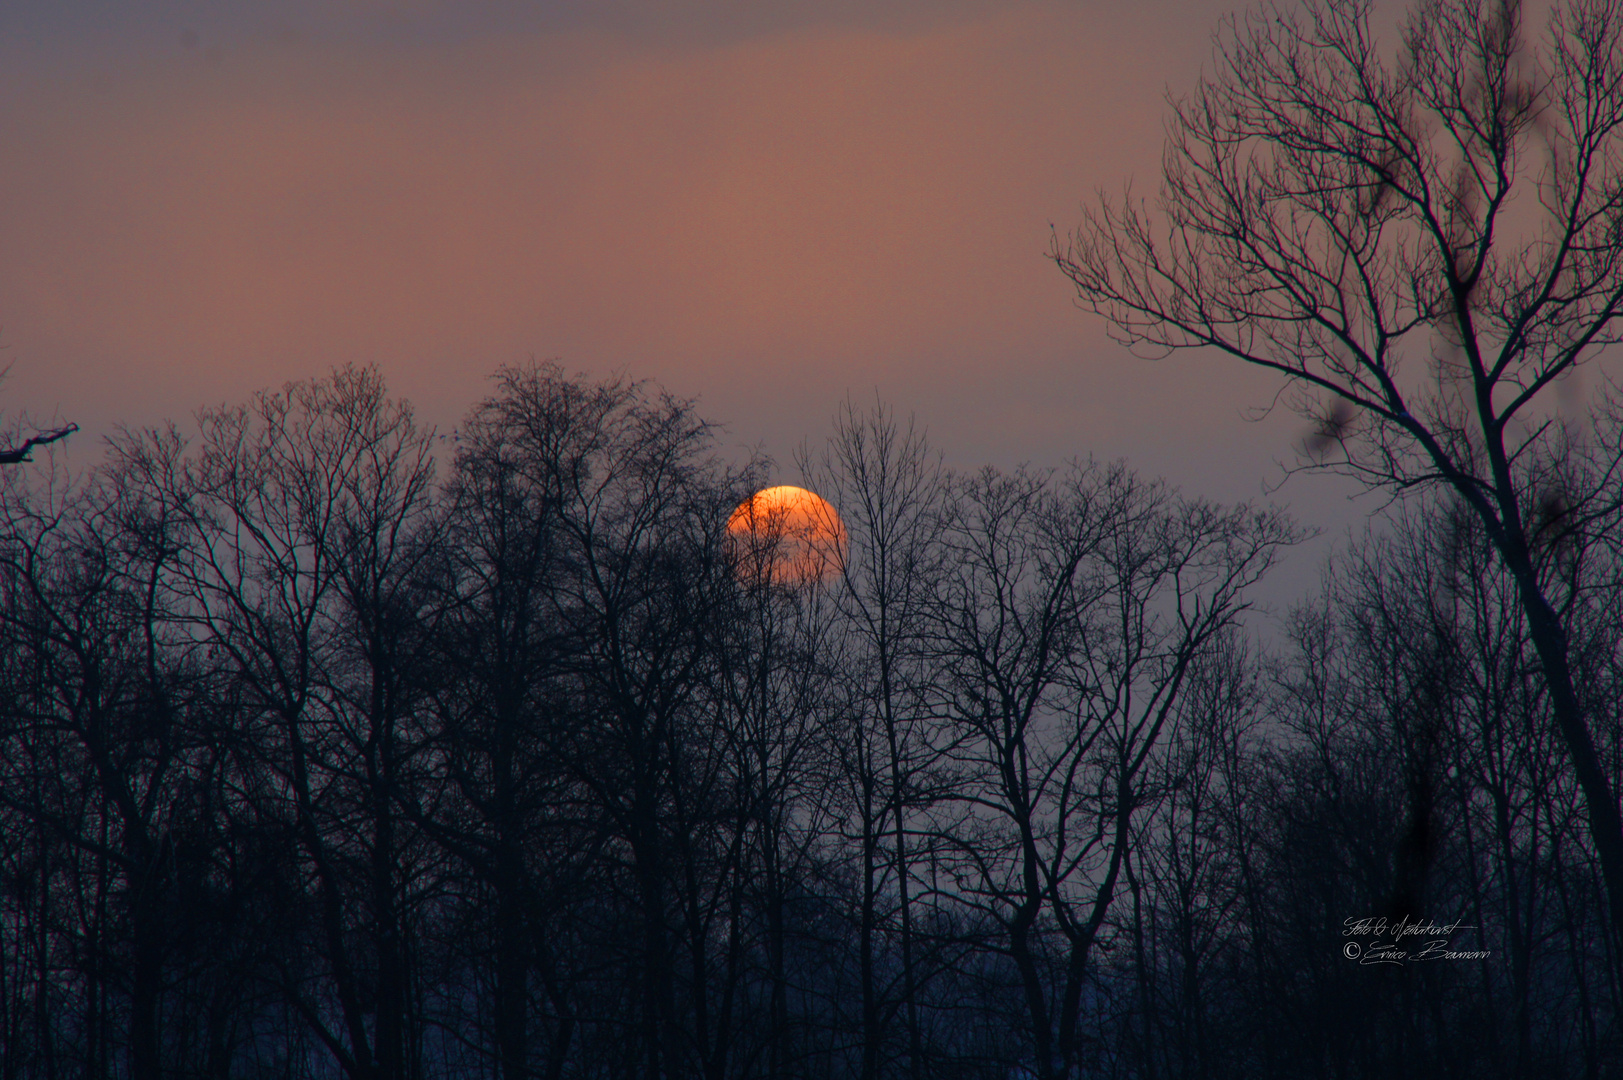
point(512, 972)
point(1605, 822)
point(867, 931)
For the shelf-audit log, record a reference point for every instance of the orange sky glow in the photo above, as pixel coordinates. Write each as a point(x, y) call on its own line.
point(767, 220)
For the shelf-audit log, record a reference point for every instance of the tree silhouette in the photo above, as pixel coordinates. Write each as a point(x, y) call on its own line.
point(1423, 241)
point(312, 767)
point(23, 451)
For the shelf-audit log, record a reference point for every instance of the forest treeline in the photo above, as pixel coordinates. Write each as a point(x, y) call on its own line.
point(329, 748)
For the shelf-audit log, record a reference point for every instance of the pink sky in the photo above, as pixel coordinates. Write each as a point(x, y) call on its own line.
point(766, 219)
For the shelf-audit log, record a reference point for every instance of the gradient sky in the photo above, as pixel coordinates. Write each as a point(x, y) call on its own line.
point(763, 205)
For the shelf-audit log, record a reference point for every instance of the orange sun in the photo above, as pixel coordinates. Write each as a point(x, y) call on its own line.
point(789, 532)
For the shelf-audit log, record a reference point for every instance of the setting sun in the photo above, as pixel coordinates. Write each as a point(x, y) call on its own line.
point(795, 531)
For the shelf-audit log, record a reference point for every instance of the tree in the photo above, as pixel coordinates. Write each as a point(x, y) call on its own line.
point(1068, 631)
point(1422, 241)
point(300, 524)
point(637, 507)
point(891, 489)
point(23, 451)
point(497, 706)
point(98, 714)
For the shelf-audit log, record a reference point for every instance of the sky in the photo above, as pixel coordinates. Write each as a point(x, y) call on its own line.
point(767, 206)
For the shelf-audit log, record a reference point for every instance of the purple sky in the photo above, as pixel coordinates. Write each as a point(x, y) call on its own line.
point(767, 206)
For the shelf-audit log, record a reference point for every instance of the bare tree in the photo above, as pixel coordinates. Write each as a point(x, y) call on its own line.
point(96, 719)
point(638, 510)
point(23, 451)
point(1068, 632)
point(509, 808)
point(890, 487)
point(301, 520)
point(1422, 241)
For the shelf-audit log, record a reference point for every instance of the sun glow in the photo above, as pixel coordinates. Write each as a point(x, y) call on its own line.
point(793, 535)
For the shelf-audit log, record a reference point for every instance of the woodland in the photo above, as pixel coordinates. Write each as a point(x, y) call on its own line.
point(334, 747)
